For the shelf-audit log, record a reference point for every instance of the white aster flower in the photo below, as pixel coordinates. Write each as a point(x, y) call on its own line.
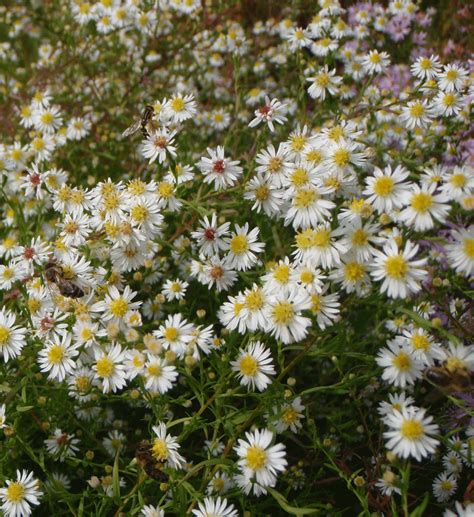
point(20, 495)
point(253, 366)
point(165, 448)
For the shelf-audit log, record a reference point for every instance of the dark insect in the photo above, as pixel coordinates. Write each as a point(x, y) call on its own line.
point(54, 274)
point(450, 379)
point(148, 463)
point(142, 123)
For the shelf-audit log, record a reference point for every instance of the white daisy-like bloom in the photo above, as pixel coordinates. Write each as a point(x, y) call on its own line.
point(47, 119)
point(410, 433)
point(218, 507)
point(210, 236)
point(324, 81)
point(298, 38)
point(19, 495)
point(422, 344)
point(342, 156)
point(452, 463)
point(416, 114)
point(175, 333)
point(109, 368)
point(159, 144)
point(396, 402)
point(452, 78)
point(308, 207)
point(358, 238)
point(242, 247)
point(113, 442)
point(165, 448)
point(283, 315)
point(217, 271)
point(265, 195)
point(12, 337)
point(308, 276)
point(447, 104)
point(116, 305)
point(272, 111)
point(352, 274)
point(34, 181)
point(444, 486)
point(254, 366)
point(426, 68)
point(62, 445)
point(179, 108)
point(57, 357)
point(279, 276)
point(253, 312)
point(159, 376)
point(218, 169)
point(325, 307)
point(458, 182)
point(465, 509)
point(134, 363)
point(385, 188)
point(259, 461)
point(11, 273)
point(151, 511)
point(424, 206)
point(174, 289)
point(375, 62)
point(75, 229)
point(78, 128)
point(401, 368)
point(400, 274)
point(3, 417)
point(289, 416)
point(319, 247)
point(219, 484)
point(388, 483)
point(459, 355)
point(273, 164)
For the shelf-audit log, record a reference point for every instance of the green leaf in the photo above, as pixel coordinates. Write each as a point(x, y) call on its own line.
point(293, 510)
point(115, 477)
point(22, 409)
point(419, 510)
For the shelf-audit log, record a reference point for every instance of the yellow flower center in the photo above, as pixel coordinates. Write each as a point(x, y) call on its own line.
point(315, 303)
point(421, 202)
point(38, 144)
point(160, 450)
point(248, 366)
point(314, 156)
point(118, 307)
point(420, 342)
point(154, 370)
point(7, 274)
point(82, 383)
point(299, 177)
point(458, 180)
point(341, 157)
point(298, 142)
point(256, 457)
point(282, 273)
point(412, 430)
point(304, 198)
point(239, 244)
point(383, 186)
point(283, 312)
point(454, 363)
point(289, 415)
point(56, 354)
point(86, 333)
point(171, 333)
point(274, 164)
point(359, 237)
point(262, 193)
point(402, 361)
point(105, 367)
point(4, 335)
point(396, 267)
point(306, 277)
point(451, 75)
point(238, 307)
point(177, 104)
point(322, 80)
point(139, 213)
point(417, 110)
point(15, 492)
point(254, 300)
point(304, 240)
point(322, 238)
point(165, 189)
point(468, 248)
point(353, 271)
point(47, 118)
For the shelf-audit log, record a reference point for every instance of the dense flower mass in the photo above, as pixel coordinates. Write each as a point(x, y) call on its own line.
point(236, 258)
